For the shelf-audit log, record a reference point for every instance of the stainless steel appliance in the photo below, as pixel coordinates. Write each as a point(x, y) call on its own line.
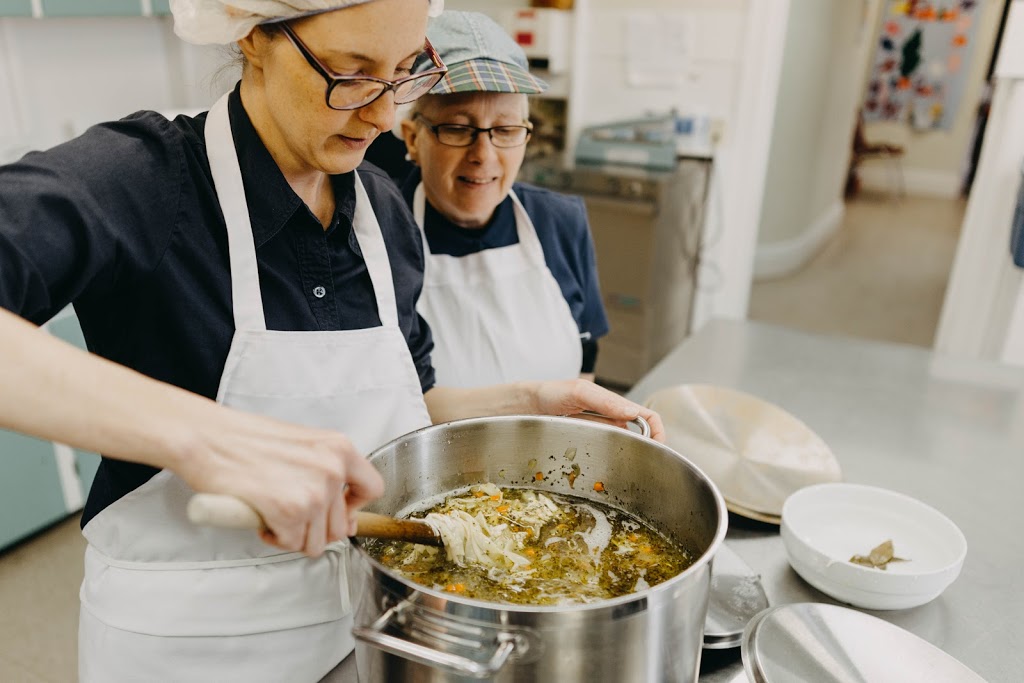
point(409, 632)
point(648, 228)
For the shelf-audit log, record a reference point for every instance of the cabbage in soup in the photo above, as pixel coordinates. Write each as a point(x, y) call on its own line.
point(523, 546)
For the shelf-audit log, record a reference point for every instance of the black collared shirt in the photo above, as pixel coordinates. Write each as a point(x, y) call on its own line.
point(124, 223)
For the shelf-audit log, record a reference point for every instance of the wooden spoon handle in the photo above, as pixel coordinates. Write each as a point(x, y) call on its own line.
point(211, 509)
point(372, 525)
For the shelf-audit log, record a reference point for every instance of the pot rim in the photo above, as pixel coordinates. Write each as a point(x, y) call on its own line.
point(611, 603)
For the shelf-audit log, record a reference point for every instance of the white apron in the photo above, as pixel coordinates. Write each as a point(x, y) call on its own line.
point(164, 600)
point(497, 315)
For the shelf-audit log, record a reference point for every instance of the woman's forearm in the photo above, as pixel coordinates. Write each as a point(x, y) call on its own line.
point(53, 390)
point(450, 403)
point(564, 397)
point(297, 478)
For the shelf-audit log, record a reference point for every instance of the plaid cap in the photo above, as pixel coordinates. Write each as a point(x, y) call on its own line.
point(480, 56)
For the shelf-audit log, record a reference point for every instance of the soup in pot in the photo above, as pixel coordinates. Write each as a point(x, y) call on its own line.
point(524, 546)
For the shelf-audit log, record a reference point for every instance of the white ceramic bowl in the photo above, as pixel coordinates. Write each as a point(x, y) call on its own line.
point(824, 525)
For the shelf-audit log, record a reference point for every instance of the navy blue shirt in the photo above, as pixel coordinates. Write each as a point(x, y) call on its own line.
point(124, 223)
point(564, 233)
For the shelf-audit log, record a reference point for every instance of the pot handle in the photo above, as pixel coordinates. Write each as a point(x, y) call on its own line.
point(640, 422)
point(374, 636)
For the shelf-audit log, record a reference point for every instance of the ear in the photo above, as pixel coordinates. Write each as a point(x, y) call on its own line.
point(410, 135)
point(254, 47)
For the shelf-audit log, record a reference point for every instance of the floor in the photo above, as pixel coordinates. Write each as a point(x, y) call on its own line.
point(39, 582)
point(882, 276)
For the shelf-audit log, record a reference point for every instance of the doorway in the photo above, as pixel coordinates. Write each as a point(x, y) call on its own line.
point(883, 271)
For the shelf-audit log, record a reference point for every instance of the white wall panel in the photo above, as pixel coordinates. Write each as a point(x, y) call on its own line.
point(708, 76)
point(65, 74)
point(80, 71)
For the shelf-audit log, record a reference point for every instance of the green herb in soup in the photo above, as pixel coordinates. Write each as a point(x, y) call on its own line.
point(522, 546)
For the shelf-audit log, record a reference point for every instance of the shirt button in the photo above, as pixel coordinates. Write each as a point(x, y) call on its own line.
point(319, 292)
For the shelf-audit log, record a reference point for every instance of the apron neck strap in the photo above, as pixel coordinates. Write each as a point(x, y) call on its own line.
point(527, 233)
point(375, 255)
point(246, 299)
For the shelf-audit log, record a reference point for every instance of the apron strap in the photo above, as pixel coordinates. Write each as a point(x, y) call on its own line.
point(419, 209)
point(246, 299)
point(375, 254)
point(527, 233)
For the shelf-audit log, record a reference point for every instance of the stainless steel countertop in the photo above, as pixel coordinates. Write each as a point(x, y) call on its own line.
point(949, 432)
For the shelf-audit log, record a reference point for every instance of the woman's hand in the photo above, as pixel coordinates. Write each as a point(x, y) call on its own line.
point(574, 396)
point(306, 484)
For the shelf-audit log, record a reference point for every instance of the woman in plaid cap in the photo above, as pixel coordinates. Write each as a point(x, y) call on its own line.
point(238, 256)
point(510, 284)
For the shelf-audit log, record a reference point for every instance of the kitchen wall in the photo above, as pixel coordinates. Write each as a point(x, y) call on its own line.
point(827, 42)
point(704, 81)
point(709, 69)
point(63, 74)
point(134, 63)
point(935, 161)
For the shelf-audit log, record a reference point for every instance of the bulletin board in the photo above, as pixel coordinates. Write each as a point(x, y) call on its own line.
point(921, 62)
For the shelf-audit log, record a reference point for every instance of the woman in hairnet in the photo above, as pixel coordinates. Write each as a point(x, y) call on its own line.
point(510, 288)
point(236, 255)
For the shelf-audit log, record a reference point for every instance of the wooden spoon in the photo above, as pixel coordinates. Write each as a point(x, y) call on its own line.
point(210, 509)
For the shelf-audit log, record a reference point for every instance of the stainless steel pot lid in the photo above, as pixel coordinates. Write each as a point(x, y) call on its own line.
point(753, 514)
point(737, 596)
point(832, 644)
point(755, 452)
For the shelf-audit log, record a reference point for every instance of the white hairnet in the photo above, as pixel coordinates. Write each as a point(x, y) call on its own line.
point(225, 21)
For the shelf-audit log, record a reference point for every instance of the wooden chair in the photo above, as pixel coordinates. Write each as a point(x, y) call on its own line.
point(866, 151)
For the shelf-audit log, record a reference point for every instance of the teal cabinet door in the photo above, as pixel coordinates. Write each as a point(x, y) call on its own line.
point(15, 8)
point(86, 465)
point(161, 6)
point(92, 8)
point(30, 492)
point(65, 326)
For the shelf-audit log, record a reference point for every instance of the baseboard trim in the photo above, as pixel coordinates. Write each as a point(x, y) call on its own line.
point(918, 182)
point(776, 259)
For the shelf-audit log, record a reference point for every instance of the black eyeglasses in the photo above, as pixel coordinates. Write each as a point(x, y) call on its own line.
point(458, 135)
point(352, 92)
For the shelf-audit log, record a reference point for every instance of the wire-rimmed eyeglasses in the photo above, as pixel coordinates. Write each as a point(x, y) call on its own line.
point(460, 135)
point(352, 92)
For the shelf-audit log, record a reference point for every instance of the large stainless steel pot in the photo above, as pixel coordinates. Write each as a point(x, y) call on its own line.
point(408, 632)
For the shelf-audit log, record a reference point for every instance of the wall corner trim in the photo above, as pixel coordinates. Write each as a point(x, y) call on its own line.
point(777, 259)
